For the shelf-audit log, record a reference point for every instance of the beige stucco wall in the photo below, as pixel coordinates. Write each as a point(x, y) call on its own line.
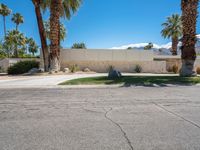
point(105, 55)
point(100, 60)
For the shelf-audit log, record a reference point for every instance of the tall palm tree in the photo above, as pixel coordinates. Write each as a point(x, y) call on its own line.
point(63, 31)
point(32, 46)
point(59, 8)
point(172, 28)
point(38, 4)
point(189, 20)
point(55, 9)
point(4, 11)
point(17, 19)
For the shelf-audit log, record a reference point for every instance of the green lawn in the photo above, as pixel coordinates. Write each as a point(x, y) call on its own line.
point(135, 80)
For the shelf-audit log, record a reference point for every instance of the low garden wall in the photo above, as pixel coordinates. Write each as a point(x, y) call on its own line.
point(6, 62)
point(174, 61)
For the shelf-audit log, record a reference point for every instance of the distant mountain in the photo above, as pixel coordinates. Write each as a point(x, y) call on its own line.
point(158, 49)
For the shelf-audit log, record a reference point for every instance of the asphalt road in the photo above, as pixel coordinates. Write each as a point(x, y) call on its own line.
point(128, 118)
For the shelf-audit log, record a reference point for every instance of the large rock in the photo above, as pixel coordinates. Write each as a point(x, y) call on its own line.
point(34, 70)
point(66, 70)
point(114, 74)
point(86, 70)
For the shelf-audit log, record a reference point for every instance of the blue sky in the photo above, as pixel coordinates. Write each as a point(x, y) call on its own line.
point(104, 23)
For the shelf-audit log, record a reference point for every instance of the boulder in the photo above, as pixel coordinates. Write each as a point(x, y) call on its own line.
point(114, 74)
point(34, 70)
point(67, 70)
point(86, 70)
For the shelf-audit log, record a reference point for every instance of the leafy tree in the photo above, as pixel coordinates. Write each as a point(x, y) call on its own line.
point(79, 46)
point(4, 11)
point(189, 20)
point(172, 28)
point(17, 19)
point(149, 46)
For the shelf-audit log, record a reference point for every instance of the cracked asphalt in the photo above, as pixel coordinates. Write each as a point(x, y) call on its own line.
point(126, 118)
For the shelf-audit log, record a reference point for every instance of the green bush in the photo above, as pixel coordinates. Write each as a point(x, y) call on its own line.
point(74, 68)
point(111, 68)
point(23, 67)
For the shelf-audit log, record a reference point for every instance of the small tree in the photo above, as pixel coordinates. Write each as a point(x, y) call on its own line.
point(79, 46)
point(149, 46)
point(129, 48)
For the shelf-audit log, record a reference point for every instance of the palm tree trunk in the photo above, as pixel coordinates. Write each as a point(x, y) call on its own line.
point(16, 51)
point(42, 33)
point(174, 45)
point(54, 35)
point(4, 22)
point(189, 19)
point(16, 27)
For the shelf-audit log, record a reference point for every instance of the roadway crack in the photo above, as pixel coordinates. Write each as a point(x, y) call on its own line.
point(121, 129)
point(177, 115)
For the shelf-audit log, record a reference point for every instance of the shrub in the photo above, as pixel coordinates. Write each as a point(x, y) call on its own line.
point(1, 70)
point(198, 70)
point(23, 67)
point(79, 46)
point(74, 68)
point(175, 69)
point(111, 68)
point(138, 69)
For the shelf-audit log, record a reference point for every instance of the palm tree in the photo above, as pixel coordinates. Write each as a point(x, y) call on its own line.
point(17, 19)
point(16, 41)
point(62, 30)
point(38, 4)
point(4, 11)
point(32, 46)
point(173, 29)
point(189, 20)
point(59, 8)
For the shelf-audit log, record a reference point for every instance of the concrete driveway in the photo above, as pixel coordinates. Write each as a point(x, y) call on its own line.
point(39, 81)
point(132, 118)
